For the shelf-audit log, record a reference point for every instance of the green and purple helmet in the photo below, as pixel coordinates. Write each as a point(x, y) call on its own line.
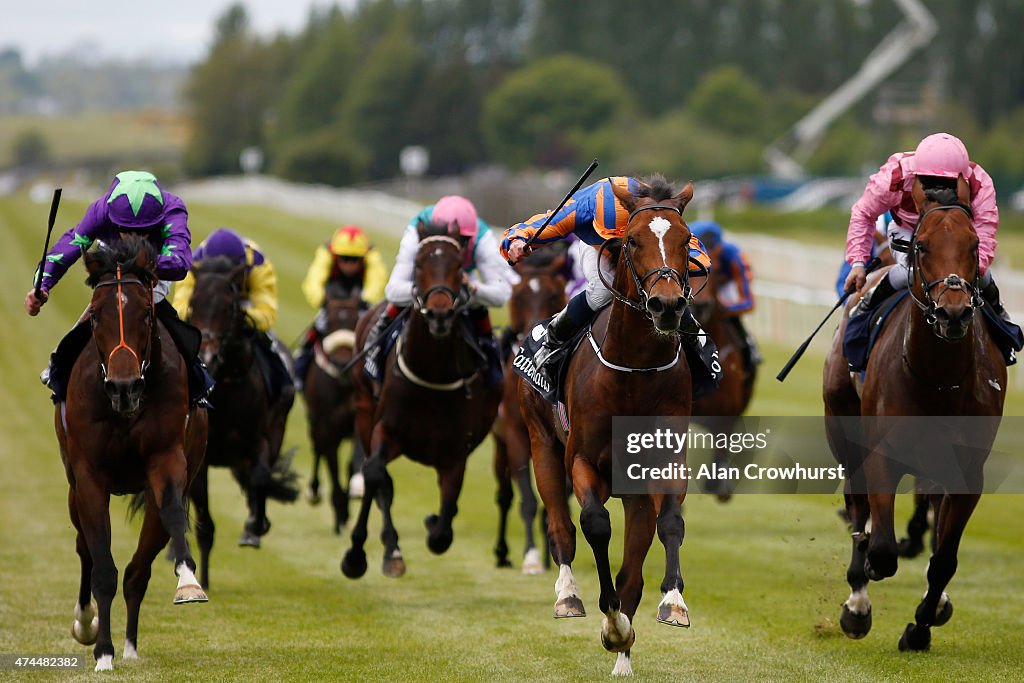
point(135, 200)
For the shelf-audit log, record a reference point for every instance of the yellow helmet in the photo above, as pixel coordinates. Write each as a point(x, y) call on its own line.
point(349, 240)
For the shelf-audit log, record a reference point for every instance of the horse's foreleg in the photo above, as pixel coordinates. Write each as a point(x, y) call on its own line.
point(313, 488)
point(167, 485)
point(259, 485)
point(913, 544)
point(528, 512)
point(353, 564)
point(152, 539)
point(856, 617)
point(504, 500)
point(935, 608)
point(883, 551)
point(439, 527)
point(549, 467)
point(671, 529)
point(86, 624)
point(393, 565)
point(92, 503)
point(199, 492)
point(639, 531)
point(339, 496)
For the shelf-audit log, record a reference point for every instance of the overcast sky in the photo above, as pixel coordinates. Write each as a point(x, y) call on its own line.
point(175, 30)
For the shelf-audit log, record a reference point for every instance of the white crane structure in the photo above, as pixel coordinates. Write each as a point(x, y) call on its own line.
point(787, 156)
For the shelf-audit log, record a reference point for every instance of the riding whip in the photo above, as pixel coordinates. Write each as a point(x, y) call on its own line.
point(46, 246)
point(875, 262)
point(547, 221)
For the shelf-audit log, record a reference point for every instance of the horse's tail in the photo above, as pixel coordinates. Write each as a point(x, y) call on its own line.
point(136, 504)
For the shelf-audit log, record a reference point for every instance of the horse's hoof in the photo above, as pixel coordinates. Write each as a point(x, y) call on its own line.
point(249, 540)
point(394, 566)
point(532, 565)
point(673, 615)
point(105, 663)
point(571, 606)
point(944, 614)
point(356, 485)
point(250, 526)
point(129, 650)
point(909, 548)
point(855, 625)
point(622, 647)
point(313, 496)
point(503, 563)
point(915, 638)
point(189, 593)
point(438, 539)
point(724, 497)
point(353, 565)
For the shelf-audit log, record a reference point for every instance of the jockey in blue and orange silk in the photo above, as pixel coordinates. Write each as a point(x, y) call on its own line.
point(135, 204)
point(259, 299)
point(594, 215)
point(732, 282)
point(487, 276)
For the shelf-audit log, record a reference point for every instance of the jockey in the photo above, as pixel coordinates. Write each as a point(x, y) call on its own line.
point(880, 244)
point(733, 277)
point(134, 204)
point(259, 294)
point(940, 160)
point(350, 261)
point(594, 215)
point(485, 274)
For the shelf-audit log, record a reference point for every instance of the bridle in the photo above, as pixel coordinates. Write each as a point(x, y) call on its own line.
point(122, 344)
point(460, 299)
point(951, 282)
point(234, 320)
point(664, 272)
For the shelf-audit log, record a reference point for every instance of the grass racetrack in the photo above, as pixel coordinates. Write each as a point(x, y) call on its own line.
point(765, 574)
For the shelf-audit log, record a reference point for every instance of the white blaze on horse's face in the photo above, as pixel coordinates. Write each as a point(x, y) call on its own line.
point(534, 285)
point(659, 226)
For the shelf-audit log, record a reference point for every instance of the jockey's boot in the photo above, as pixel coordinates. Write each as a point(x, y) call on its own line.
point(303, 358)
point(562, 328)
point(990, 293)
point(874, 296)
point(483, 333)
point(751, 354)
point(374, 357)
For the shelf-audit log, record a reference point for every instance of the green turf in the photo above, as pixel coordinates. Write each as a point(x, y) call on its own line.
point(765, 575)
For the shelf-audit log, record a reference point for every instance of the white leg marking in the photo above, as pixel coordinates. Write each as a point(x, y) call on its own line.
point(356, 485)
point(674, 597)
point(615, 627)
point(129, 650)
point(858, 602)
point(532, 563)
point(659, 226)
point(105, 663)
point(185, 576)
point(623, 667)
point(565, 584)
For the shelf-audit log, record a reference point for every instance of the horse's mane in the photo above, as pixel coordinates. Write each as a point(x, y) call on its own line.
point(656, 187)
point(123, 253)
point(942, 191)
point(218, 265)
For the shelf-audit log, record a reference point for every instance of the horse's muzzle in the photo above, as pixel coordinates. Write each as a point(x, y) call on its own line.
point(952, 323)
point(666, 312)
point(125, 395)
point(439, 320)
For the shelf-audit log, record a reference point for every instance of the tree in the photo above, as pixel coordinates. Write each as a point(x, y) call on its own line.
point(544, 113)
point(30, 148)
point(727, 100)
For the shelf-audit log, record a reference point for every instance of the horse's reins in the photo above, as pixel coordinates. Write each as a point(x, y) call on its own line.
point(122, 344)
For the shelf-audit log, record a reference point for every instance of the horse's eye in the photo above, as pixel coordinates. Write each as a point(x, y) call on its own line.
point(922, 248)
point(630, 242)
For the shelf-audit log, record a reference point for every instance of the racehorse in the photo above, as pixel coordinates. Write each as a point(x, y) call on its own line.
point(126, 428)
point(733, 394)
point(433, 406)
point(639, 331)
point(329, 395)
point(937, 361)
point(246, 430)
point(538, 296)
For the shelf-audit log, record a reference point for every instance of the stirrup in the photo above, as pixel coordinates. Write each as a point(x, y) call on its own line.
point(545, 353)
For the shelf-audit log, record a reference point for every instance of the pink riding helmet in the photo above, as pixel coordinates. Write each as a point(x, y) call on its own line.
point(941, 155)
point(456, 209)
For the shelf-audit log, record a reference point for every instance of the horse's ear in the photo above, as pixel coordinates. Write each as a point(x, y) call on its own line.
point(684, 197)
point(558, 263)
point(917, 192)
point(421, 228)
point(963, 191)
point(92, 262)
point(625, 197)
point(237, 274)
point(614, 248)
point(145, 259)
point(454, 230)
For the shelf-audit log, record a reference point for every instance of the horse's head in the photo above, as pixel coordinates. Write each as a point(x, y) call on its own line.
point(216, 306)
point(122, 276)
point(944, 257)
point(541, 291)
point(341, 308)
point(438, 293)
point(654, 261)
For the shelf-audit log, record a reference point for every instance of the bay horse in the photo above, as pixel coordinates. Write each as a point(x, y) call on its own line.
point(535, 298)
point(731, 398)
point(433, 406)
point(330, 395)
point(639, 331)
point(934, 357)
point(126, 428)
point(246, 430)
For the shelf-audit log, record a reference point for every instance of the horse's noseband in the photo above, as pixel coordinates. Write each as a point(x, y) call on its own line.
point(952, 282)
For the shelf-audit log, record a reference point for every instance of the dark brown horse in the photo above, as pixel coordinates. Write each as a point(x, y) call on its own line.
point(433, 405)
point(126, 428)
point(638, 332)
point(246, 429)
point(935, 357)
point(734, 392)
point(538, 296)
point(330, 395)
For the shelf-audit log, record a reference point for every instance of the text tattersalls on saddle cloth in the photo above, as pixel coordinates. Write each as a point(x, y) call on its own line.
point(791, 454)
